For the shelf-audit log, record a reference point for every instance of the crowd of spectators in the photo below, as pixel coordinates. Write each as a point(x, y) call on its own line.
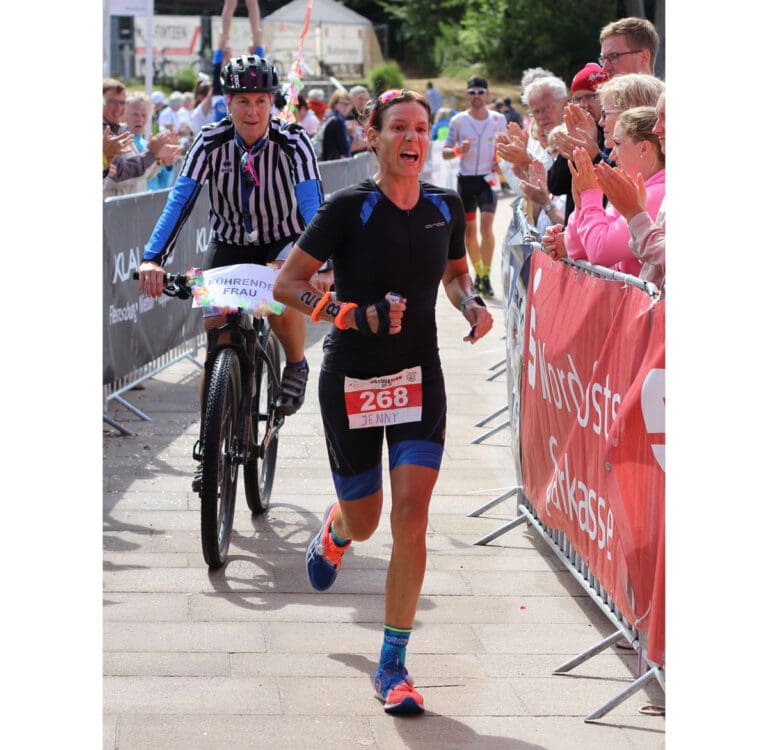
point(591, 164)
point(561, 154)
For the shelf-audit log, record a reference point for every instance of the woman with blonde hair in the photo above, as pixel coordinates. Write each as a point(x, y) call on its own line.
point(601, 235)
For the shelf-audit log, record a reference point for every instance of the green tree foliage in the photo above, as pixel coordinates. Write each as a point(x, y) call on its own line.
point(511, 35)
point(420, 23)
point(185, 79)
point(500, 38)
point(386, 76)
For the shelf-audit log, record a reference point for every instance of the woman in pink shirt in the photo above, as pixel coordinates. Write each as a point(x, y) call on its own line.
point(601, 235)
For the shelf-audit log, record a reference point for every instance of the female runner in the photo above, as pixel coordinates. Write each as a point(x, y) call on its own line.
point(392, 239)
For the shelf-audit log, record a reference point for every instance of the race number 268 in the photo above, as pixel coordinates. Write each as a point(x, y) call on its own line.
point(386, 400)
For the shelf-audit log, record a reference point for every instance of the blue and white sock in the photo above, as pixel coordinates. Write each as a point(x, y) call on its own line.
point(395, 643)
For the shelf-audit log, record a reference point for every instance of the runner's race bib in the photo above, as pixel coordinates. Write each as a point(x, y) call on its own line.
point(384, 401)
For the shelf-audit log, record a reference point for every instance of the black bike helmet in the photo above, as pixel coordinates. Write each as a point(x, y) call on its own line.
point(250, 74)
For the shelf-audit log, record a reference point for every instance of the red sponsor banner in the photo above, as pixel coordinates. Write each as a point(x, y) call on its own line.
point(592, 428)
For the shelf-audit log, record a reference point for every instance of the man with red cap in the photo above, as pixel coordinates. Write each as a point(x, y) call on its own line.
point(584, 89)
point(584, 97)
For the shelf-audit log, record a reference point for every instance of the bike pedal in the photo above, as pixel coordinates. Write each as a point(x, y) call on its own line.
point(196, 453)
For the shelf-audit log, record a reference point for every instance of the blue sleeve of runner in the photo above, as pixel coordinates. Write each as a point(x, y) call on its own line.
point(177, 208)
point(309, 195)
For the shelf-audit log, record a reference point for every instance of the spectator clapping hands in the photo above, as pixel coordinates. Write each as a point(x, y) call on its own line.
point(535, 186)
point(626, 196)
point(112, 145)
point(581, 131)
point(553, 241)
point(583, 175)
point(165, 146)
point(511, 146)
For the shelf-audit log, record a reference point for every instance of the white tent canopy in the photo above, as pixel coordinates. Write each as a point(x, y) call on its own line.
point(327, 11)
point(338, 36)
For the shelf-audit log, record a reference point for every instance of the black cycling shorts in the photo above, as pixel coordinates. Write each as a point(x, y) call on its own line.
point(355, 455)
point(475, 191)
point(220, 254)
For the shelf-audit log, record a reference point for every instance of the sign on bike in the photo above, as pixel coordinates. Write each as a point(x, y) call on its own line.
point(240, 416)
point(245, 286)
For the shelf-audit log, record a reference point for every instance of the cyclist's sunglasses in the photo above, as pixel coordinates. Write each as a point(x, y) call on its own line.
point(249, 171)
point(477, 92)
point(247, 165)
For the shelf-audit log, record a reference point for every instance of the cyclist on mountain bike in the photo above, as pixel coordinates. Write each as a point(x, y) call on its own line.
point(264, 187)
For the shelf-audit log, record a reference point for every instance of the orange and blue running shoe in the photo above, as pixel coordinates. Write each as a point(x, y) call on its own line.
point(394, 688)
point(324, 555)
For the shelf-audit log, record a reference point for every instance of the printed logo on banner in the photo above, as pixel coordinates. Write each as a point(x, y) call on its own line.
point(653, 404)
point(202, 238)
point(139, 329)
point(590, 411)
point(570, 494)
point(125, 263)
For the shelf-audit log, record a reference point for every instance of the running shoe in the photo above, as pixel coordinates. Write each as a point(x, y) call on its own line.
point(487, 290)
point(394, 688)
point(479, 284)
point(293, 385)
point(324, 555)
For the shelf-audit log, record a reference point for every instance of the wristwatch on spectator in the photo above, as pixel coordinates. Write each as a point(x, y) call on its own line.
point(548, 207)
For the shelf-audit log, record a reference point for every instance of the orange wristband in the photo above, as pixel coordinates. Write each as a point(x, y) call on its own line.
point(345, 308)
point(315, 316)
point(457, 151)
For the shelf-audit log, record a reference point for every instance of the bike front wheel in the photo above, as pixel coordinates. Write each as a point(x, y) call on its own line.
point(259, 469)
point(220, 448)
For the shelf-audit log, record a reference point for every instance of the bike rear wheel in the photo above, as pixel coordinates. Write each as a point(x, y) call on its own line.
point(220, 448)
point(259, 471)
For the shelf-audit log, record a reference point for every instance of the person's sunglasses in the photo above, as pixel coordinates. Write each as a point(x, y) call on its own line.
point(477, 92)
point(392, 96)
point(249, 171)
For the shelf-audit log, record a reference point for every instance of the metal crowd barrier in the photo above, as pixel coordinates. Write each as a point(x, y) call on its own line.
point(517, 248)
point(128, 222)
point(114, 391)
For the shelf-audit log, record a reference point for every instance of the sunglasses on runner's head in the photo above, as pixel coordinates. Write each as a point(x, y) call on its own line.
point(395, 96)
point(477, 92)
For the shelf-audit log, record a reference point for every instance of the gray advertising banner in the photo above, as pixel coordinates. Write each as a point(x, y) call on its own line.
point(138, 329)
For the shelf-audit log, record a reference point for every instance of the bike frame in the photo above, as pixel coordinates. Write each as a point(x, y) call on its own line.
point(246, 341)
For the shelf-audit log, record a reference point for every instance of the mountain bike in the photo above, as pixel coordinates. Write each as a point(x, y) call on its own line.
point(240, 421)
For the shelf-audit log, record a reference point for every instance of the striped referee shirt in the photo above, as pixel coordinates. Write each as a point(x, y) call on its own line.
point(241, 212)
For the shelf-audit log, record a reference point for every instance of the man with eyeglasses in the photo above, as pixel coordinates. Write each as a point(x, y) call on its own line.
point(583, 113)
point(472, 139)
point(629, 45)
point(546, 97)
point(127, 165)
point(264, 187)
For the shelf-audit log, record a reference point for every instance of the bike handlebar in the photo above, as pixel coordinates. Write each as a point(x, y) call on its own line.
point(174, 285)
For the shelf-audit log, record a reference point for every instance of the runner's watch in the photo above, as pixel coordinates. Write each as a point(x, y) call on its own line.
point(470, 297)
